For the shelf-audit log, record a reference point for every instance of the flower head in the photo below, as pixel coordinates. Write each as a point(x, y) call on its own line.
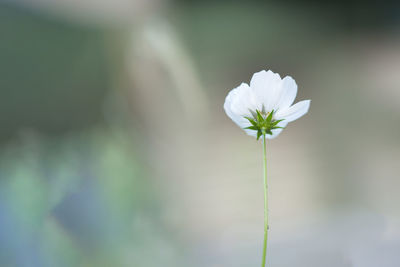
point(265, 107)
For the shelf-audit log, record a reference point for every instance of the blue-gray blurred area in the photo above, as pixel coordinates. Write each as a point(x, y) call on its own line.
point(115, 149)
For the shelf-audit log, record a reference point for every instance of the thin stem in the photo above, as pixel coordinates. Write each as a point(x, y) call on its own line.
point(265, 204)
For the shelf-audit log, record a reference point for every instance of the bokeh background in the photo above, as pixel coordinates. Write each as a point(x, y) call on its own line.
point(115, 149)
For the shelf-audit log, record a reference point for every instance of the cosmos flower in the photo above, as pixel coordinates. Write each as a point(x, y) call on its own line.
point(265, 107)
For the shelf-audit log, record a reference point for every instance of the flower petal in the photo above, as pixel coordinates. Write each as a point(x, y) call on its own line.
point(243, 101)
point(228, 102)
point(266, 86)
point(294, 112)
point(288, 93)
point(251, 132)
point(238, 103)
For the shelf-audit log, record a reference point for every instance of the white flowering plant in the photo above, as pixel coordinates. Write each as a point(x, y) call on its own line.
point(263, 109)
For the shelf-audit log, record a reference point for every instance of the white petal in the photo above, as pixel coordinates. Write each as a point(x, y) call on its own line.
point(228, 102)
point(294, 112)
point(266, 86)
point(237, 105)
point(242, 123)
point(288, 93)
point(243, 101)
point(251, 132)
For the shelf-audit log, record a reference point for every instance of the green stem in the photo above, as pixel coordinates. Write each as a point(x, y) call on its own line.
point(265, 203)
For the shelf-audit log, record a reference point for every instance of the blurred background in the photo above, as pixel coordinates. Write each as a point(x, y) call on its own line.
point(115, 149)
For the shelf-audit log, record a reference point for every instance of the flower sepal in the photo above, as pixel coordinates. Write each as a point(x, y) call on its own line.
point(263, 123)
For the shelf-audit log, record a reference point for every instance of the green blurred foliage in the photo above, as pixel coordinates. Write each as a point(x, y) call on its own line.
point(79, 201)
point(53, 74)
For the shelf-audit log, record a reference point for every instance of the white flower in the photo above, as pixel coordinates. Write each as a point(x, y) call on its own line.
point(267, 94)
